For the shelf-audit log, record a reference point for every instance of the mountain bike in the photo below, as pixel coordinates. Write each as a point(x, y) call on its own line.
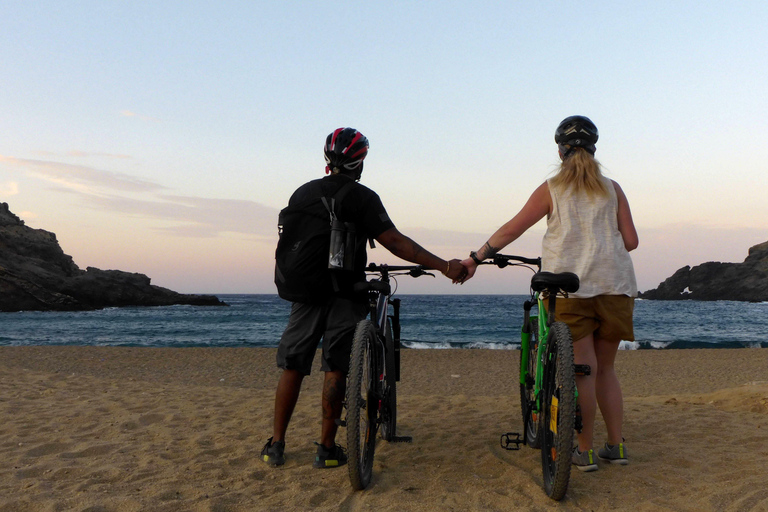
point(548, 396)
point(374, 370)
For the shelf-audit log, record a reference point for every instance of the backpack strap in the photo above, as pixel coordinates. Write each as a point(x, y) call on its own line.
point(340, 194)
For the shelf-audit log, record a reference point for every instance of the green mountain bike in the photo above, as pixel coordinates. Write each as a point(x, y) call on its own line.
point(548, 396)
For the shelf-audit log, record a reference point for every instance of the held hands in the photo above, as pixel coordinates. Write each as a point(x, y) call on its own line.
point(470, 265)
point(455, 271)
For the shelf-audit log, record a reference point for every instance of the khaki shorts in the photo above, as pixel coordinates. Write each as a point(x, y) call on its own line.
point(608, 317)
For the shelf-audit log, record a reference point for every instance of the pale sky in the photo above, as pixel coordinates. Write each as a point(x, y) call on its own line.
point(164, 137)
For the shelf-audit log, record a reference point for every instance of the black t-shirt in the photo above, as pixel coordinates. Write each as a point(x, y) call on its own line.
point(361, 206)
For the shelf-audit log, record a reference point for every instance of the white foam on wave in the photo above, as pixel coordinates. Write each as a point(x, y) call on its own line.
point(424, 345)
point(493, 346)
point(446, 345)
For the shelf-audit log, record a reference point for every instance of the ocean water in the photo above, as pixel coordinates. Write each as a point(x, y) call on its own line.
point(428, 322)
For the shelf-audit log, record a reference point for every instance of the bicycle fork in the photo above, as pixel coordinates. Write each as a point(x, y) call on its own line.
point(513, 440)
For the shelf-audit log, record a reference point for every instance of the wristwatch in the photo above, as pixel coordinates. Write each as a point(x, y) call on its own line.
point(474, 257)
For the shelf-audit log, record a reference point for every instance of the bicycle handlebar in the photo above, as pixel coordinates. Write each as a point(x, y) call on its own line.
point(502, 260)
point(412, 270)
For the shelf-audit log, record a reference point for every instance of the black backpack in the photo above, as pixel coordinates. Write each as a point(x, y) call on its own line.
point(301, 258)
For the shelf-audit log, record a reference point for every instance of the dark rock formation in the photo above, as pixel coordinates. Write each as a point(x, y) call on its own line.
point(35, 274)
point(747, 281)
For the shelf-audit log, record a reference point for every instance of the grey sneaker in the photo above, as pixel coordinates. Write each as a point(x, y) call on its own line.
point(273, 453)
point(616, 454)
point(584, 461)
point(329, 457)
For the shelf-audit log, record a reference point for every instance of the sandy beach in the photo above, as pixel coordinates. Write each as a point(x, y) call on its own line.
point(155, 429)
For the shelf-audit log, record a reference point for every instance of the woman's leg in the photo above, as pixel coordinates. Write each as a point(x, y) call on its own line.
point(584, 353)
point(608, 389)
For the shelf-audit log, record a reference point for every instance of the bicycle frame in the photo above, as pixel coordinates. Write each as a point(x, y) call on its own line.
point(379, 312)
point(549, 398)
point(371, 395)
point(543, 322)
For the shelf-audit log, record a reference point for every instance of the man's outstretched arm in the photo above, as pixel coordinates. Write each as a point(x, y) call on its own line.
point(407, 249)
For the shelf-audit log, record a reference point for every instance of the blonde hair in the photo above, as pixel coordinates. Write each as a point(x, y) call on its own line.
point(580, 172)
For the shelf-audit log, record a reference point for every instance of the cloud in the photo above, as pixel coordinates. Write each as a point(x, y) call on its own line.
point(82, 154)
point(10, 188)
point(108, 191)
point(128, 113)
point(198, 217)
point(79, 177)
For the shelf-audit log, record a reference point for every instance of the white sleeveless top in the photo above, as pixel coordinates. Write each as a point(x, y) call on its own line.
point(583, 237)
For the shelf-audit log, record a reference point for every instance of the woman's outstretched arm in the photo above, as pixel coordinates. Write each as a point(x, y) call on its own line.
point(538, 205)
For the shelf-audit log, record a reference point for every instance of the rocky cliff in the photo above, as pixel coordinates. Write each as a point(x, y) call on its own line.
point(747, 281)
point(35, 274)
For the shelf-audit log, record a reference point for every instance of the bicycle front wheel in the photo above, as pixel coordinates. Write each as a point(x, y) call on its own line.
point(558, 411)
point(362, 405)
point(527, 393)
point(389, 420)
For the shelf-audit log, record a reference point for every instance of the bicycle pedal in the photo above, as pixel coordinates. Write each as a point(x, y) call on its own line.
point(582, 369)
point(340, 422)
point(401, 439)
point(511, 438)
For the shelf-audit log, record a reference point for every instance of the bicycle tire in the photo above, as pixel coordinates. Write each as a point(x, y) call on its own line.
point(558, 411)
point(531, 417)
point(362, 405)
point(389, 413)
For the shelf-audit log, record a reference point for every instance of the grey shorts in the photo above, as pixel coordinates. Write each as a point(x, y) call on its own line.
point(334, 322)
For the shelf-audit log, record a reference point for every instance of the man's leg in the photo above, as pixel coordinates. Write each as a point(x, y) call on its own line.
point(334, 388)
point(342, 318)
point(294, 354)
point(286, 396)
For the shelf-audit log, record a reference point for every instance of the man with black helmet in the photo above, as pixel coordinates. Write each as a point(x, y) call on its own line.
point(333, 316)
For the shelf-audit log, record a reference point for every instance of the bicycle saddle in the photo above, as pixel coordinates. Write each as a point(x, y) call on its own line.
point(364, 286)
point(565, 281)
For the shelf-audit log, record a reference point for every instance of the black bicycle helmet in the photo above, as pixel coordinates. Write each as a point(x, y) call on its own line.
point(345, 148)
point(577, 132)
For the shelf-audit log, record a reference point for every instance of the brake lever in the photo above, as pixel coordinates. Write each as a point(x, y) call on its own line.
point(417, 272)
point(500, 262)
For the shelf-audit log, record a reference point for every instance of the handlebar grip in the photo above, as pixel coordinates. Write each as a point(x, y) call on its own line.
point(502, 260)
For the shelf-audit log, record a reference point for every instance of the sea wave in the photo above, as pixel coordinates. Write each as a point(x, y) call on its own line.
point(427, 322)
point(450, 345)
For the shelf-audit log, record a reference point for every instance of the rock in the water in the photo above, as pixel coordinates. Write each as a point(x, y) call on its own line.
point(35, 274)
point(747, 281)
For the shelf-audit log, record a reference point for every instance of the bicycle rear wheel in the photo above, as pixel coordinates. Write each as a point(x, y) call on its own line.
point(527, 395)
point(558, 410)
point(362, 402)
point(389, 413)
